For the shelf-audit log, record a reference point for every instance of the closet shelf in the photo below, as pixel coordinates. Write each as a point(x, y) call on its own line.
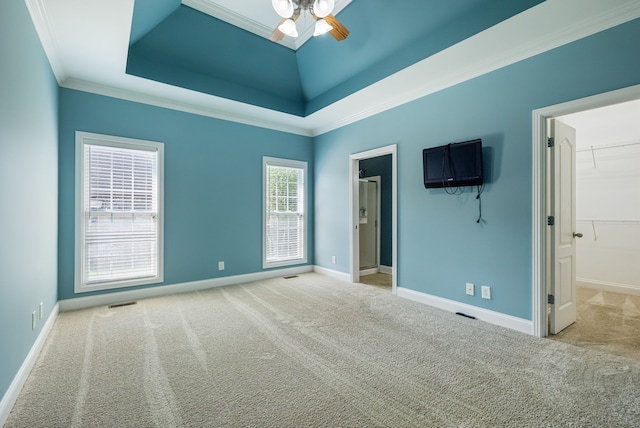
point(609, 146)
point(610, 221)
point(593, 149)
point(593, 223)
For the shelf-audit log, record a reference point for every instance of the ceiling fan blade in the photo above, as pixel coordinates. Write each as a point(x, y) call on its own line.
point(339, 31)
point(277, 35)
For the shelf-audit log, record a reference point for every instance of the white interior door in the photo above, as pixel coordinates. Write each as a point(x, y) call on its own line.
point(368, 218)
point(562, 236)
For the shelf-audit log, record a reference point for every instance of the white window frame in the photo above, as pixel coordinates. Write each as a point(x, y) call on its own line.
point(84, 139)
point(288, 163)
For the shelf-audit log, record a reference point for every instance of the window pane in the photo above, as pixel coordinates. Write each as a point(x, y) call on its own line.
point(120, 206)
point(120, 247)
point(284, 217)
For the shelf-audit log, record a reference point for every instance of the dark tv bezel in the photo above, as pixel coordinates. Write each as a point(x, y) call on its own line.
point(475, 180)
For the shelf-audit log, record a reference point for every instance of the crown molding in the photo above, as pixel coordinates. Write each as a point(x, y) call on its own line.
point(173, 98)
point(550, 24)
point(239, 20)
point(47, 37)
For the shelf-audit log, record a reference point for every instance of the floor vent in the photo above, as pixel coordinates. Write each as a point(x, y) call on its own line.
point(119, 305)
point(465, 315)
point(290, 276)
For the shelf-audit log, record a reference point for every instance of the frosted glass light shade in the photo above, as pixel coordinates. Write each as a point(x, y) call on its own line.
point(322, 8)
point(288, 27)
point(322, 27)
point(284, 8)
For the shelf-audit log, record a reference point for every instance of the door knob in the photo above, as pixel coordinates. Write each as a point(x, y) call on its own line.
point(577, 235)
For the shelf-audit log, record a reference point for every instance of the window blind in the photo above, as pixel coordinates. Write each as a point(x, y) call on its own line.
point(120, 206)
point(284, 214)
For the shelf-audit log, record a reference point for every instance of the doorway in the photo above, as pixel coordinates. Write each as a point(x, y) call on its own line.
point(607, 224)
point(366, 253)
point(545, 264)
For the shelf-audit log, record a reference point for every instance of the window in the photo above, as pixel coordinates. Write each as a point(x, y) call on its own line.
point(119, 190)
point(285, 222)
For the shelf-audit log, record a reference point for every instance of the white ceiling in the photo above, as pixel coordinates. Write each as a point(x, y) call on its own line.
point(87, 45)
point(258, 17)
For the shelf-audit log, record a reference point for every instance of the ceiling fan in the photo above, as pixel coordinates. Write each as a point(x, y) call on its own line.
point(320, 10)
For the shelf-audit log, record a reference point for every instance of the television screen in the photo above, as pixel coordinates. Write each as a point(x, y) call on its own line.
point(453, 165)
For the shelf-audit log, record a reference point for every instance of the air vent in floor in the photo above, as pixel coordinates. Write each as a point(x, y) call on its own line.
point(119, 305)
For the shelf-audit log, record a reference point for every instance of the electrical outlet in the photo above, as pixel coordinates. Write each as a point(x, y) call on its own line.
point(220, 265)
point(333, 259)
point(33, 320)
point(470, 289)
point(486, 292)
point(41, 310)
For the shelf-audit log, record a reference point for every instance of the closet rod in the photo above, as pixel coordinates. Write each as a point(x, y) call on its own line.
point(611, 221)
point(612, 146)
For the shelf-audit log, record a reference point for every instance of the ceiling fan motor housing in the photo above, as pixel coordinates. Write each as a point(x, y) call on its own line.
point(319, 8)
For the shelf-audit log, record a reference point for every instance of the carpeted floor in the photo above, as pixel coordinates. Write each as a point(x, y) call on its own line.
point(606, 321)
point(313, 351)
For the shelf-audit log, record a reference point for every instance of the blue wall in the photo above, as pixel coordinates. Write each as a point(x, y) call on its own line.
point(28, 186)
point(213, 183)
point(440, 245)
point(381, 165)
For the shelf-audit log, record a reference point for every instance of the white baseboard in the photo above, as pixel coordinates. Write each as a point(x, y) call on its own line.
point(386, 269)
point(381, 269)
point(332, 273)
point(185, 287)
point(609, 286)
point(492, 317)
point(12, 393)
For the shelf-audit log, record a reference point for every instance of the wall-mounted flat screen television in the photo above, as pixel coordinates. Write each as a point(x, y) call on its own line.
point(453, 165)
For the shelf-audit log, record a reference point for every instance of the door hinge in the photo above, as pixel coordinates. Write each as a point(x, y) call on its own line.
point(551, 220)
point(551, 142)
point(551, 299)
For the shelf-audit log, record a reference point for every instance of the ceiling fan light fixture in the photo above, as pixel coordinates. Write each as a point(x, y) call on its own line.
point(284, 8)
point(288, 28)
point(322, 27)
point(322, 8)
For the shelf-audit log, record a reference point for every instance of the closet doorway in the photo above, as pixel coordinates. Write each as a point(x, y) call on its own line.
point(616, 294)
point(607, 222)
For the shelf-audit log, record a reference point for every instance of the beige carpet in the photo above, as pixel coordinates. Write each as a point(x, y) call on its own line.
point(606, 321)
point(313, 351)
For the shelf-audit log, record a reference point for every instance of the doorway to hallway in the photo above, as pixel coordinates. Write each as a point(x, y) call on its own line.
point(373, 194)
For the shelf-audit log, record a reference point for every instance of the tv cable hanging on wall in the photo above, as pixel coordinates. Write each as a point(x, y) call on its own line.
point(455, 166)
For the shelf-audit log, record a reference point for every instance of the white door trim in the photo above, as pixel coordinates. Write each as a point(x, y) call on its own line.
point(354, 245)
point(539, 191)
